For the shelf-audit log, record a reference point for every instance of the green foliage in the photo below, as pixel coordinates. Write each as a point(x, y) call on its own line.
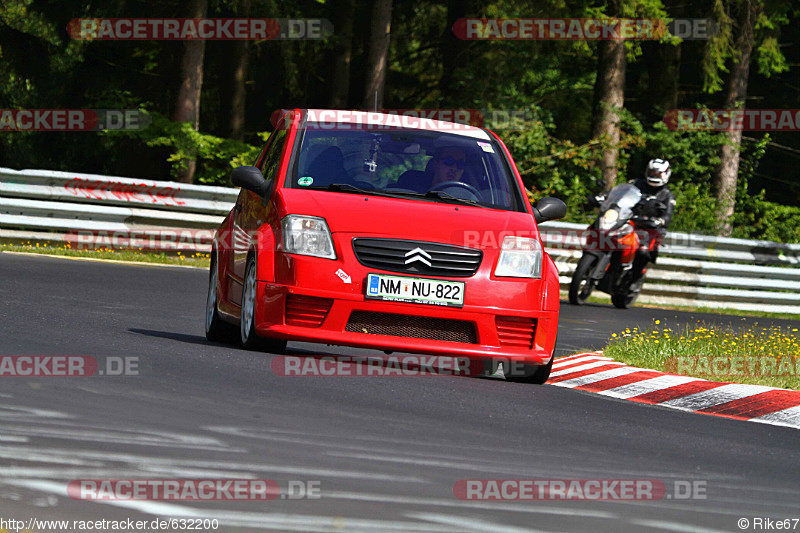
point(718, 49)
point(560, 168)
point(721, 48)
point(551, 82)
point(215, 156)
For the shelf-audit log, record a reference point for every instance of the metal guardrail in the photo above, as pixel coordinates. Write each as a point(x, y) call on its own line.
point(692, 270)
point(701, 270)
point(50, 206)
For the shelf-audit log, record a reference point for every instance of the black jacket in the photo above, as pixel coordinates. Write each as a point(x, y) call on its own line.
point(656, 202)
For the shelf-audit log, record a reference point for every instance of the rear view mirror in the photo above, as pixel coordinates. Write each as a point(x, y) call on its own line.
point(249, 178)
point(549, 209)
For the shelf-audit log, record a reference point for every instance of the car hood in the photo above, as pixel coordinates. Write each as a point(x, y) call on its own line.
point(409, 219)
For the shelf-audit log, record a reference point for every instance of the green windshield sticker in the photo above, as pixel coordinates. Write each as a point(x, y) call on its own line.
point(305, 181)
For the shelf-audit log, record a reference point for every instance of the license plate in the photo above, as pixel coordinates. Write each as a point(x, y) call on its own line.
point(415, 290)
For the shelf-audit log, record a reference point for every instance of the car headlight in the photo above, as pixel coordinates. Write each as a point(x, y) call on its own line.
point(520, 258)
point(305, 235)
point(609, 218)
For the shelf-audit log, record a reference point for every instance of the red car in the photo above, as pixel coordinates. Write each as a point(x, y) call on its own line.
point(387, 232)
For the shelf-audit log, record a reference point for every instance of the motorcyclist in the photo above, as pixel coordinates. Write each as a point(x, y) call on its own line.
point(652, 214)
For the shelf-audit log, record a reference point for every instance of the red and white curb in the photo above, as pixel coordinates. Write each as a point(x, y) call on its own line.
point(602, 375)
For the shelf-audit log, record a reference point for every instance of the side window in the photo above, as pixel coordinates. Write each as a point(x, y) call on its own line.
point(271, 159)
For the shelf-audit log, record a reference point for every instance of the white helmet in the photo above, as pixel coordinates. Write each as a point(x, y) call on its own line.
point(658, 172)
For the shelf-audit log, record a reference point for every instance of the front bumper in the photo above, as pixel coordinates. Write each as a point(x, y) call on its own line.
point(486, 299)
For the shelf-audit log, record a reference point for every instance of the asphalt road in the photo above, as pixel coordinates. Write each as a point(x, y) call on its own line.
point(385, 452)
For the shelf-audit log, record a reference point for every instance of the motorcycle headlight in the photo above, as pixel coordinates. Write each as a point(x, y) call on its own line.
point(609, 218)
point(520, 258)
point(305, 235)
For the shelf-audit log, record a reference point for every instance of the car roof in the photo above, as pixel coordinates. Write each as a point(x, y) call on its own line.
point(392, 120)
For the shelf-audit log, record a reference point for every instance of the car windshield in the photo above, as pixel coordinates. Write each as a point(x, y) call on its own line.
point(415, 164)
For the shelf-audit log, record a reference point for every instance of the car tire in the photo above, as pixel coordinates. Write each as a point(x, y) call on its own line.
point(534, 374)
point(217, 330)
point(580, 279)
point(247, 324)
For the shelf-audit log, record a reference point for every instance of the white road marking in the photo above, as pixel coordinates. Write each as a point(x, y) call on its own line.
point(115, 436)
point(786, 417)
point(177, 467)
point(18, 412)
point(599, 376)
point(715, 396)
point(579, 357)
point(472, 524)
point(11, 438)
point(587, 366)
point(583, 359)
point(649, 385)
point(523, 507)
point(98, 260)
point(270, 521)
point(675, 526)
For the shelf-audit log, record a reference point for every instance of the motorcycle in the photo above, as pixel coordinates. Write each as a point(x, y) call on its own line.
point(609, 251)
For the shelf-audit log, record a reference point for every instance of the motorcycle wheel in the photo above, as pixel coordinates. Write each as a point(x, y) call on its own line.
point(623, 300)
point(581, 286)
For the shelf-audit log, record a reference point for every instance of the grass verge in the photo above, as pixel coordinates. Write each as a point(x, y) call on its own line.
point(690, 309)
point(198, 259)
point(754, 355)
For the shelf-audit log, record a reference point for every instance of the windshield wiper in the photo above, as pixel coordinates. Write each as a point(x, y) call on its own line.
point(444, 196)
point(346, 187)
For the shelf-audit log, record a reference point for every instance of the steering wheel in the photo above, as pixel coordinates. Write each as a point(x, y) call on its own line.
point(469, 188)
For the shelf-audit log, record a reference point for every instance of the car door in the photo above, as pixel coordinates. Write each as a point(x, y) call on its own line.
point(251, 212)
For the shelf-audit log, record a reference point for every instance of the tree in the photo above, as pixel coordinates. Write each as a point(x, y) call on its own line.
point(732, 51)
point(241, 60)
point(187, 106)
point(377, 54)
point(609, 100)
point(735, 94)
point(343, 13)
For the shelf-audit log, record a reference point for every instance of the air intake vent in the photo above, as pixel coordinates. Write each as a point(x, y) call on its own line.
point(416, 257)
point(418, 327)
point(306, 311)
point(515, 331)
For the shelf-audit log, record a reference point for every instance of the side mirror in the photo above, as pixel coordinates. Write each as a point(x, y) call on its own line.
point(549, 209)
point(249, 178)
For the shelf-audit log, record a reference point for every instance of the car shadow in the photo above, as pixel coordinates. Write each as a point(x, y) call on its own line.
point(180, 337)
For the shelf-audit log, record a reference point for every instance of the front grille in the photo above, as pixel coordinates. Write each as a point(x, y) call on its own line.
point(418, 327)
point(416, 257)
point(518, 332)
point(306, 311)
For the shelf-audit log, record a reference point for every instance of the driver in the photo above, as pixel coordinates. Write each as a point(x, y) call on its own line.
point(653, 213)
point(448, 165)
